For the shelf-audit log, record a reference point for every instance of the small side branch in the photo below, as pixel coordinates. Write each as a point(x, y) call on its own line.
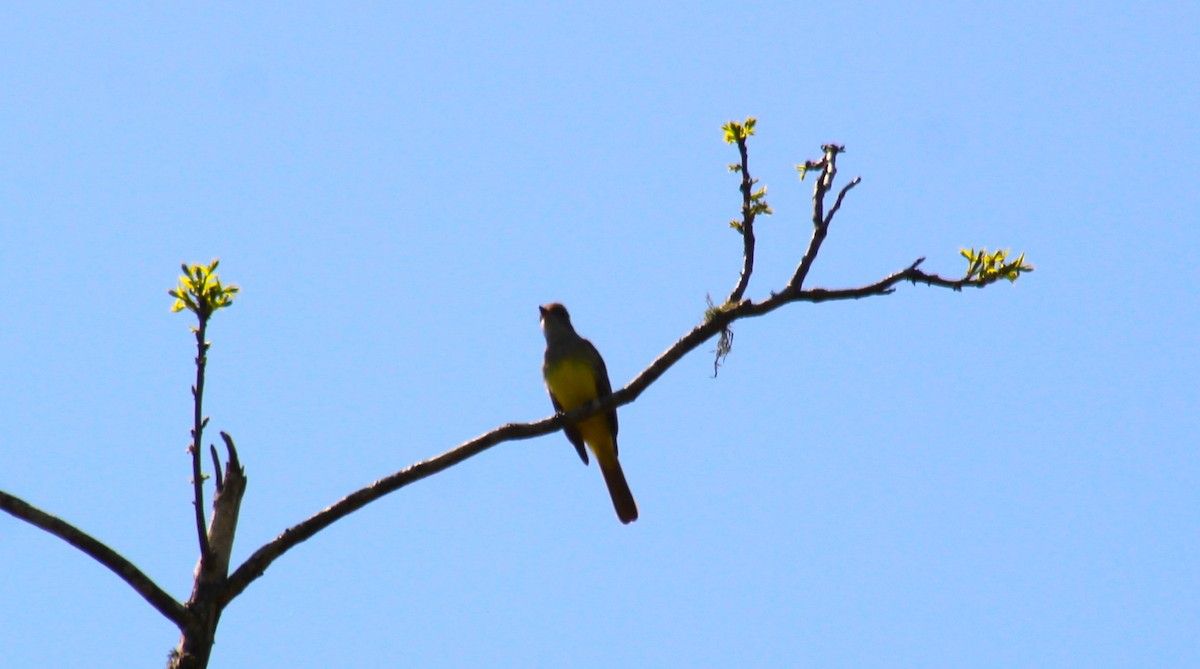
point(754, 202)
point(158, 598)
point(746, 227)
point(886, 286)
point(821, 220)
point(837, 204)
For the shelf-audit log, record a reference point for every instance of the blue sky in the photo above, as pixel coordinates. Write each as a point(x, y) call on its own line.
point(995, 478)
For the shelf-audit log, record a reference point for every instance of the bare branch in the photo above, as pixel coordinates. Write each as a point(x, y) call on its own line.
point(198, 423)
point(256, 564)
point(158, 598)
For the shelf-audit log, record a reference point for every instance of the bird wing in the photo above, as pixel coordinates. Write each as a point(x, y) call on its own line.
point(572, 433)
point(604, 389)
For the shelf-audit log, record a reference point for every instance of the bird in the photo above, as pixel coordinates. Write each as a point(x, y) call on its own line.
point(575, 374)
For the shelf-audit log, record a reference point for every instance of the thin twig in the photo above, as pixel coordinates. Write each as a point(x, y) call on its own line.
point(219, 482)
point(197, 436)
point(838, 203)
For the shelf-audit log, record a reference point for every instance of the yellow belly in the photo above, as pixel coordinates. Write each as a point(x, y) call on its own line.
point(573, 384)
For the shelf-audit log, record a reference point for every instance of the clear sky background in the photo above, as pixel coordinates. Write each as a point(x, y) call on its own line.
point(997, 478)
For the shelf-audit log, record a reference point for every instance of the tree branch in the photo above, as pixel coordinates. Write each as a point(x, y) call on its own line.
point(158, 598)
point(257, 564)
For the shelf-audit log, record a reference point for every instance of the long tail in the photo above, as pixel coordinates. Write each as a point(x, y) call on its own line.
point(618, 489)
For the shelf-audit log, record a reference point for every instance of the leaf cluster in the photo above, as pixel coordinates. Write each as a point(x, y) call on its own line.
point(200, 291)
point(754, 201)
point(758, 202)
point(988, 267)
point(738, 132)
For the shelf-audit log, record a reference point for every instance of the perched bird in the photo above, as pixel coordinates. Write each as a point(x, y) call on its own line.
point(575, 375)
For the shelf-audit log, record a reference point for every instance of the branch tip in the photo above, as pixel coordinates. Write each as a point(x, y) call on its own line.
point(233, 454)
point(220, 480)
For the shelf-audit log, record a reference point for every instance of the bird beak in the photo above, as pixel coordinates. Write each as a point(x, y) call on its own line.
point(542, 313)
